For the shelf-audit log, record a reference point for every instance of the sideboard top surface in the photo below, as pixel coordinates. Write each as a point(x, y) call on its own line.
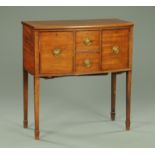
point(62, 24)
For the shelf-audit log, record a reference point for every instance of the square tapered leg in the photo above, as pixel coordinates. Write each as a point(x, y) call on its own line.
point(128, 98)
point(113, 95)
point(25, 97)
point(36, 106)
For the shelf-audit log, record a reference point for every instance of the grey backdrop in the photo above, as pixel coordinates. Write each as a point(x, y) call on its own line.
point(75, 111)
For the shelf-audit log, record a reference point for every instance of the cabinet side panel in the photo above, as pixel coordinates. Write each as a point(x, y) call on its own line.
point(130, 47)
point(28, 49)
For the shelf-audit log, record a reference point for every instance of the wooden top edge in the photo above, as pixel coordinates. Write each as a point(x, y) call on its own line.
point(58, 24)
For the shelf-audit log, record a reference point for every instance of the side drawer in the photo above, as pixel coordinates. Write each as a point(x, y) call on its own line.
point(56, 52)
point(115, 49)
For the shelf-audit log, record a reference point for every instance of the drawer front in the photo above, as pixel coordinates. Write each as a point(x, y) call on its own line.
point(56, 52)
point(115, 49)
point(87, 62)
point(87, 41)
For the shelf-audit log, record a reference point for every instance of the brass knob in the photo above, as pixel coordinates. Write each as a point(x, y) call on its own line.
point(56, 52)
point(115, 49)
point(87, 63)
point(87, 41)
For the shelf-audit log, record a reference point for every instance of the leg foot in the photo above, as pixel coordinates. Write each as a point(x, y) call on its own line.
point(37, 133)
point(112, 116)
point(127, 125)
point(25, 124)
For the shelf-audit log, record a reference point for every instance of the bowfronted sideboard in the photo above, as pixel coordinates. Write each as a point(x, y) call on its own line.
point(76, 47)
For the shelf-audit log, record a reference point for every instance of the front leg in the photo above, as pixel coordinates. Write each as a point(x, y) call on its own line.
point(113, 95)
point(25, 97)
point(36, 106)
point(128, 98)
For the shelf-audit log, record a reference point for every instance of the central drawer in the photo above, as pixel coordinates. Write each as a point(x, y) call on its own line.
point(87, 51)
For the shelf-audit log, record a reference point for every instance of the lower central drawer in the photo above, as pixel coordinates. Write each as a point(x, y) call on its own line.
point(87, 62)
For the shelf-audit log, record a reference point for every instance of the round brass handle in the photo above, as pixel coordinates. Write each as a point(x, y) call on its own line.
point(115, 49)
point(56, 52)
point(87, 63)
point(87, 41)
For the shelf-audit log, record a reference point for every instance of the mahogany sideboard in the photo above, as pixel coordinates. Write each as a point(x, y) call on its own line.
point(76, 47)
